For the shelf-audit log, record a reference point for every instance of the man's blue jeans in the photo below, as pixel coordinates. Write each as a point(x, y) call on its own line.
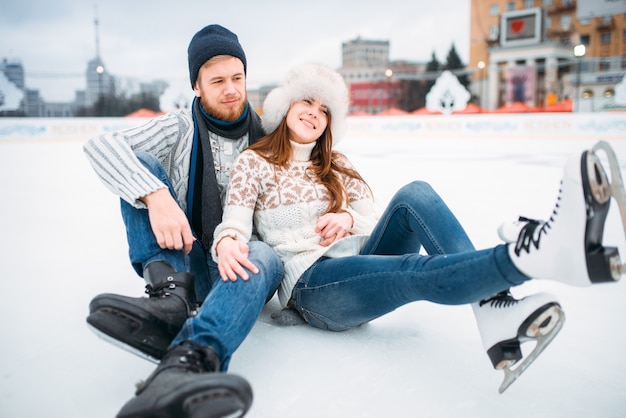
point(341, 293)
point(229, 309)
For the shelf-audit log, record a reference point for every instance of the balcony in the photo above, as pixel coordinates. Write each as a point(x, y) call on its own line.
point(606, 24)
point(561, 7)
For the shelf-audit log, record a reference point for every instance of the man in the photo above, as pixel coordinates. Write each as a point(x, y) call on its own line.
point(171, 175)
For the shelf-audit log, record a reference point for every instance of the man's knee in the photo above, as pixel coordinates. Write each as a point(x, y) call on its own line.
point(149, 161)
point(262, 254)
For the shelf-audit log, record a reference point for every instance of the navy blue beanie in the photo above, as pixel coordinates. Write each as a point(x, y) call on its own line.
point(210, 41)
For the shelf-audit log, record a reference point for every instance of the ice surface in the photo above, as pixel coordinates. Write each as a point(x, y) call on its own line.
point(62, 243)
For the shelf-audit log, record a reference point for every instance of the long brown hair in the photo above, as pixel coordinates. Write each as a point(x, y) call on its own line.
point(276, 149)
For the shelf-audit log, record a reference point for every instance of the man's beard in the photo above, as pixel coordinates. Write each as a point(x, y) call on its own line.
point(226, 114)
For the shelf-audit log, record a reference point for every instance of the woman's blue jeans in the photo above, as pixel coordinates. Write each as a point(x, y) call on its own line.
point(229, 309)
point(341, 293)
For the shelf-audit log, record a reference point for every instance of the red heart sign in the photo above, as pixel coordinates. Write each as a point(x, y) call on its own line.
point(517, 25)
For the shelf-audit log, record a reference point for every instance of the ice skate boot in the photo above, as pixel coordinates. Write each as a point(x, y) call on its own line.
point(147, 325)
point(568, 247)
point(505, 323)
point(509, 231)
point(188, 383)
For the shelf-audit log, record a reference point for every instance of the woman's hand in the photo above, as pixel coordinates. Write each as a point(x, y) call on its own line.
point(333, 226)
point(232, 256)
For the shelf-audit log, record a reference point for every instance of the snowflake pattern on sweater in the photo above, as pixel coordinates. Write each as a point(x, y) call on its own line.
point(284, 205)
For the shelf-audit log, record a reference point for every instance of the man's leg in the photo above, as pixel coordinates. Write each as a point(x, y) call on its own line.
point(146, 326)
point(229, 312)
point(192, 377)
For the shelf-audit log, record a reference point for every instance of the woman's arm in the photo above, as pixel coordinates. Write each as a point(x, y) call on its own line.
point(230, 243)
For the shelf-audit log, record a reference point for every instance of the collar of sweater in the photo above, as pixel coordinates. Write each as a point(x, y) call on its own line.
point(302, 152)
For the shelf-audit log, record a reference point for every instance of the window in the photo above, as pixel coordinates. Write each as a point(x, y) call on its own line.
point(584, 39)
point(624, 36)
point(547, 2)
point(605, 38)
point(566, 21)
point(604, 64)
point(494, 31)
point(510, 6)
point(529, 4)
point(494, 10)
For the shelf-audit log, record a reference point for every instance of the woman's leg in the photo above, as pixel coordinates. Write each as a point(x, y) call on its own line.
point(372, 285)
point(417, 216)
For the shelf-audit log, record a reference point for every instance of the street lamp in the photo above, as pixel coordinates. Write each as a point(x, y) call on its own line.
point(388, 74)
point(579, 53)
point(481, 67)
point(100, 71)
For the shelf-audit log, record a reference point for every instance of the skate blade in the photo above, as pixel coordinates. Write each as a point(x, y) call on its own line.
point(121, 345)
point(543, 338)
point(616, 190)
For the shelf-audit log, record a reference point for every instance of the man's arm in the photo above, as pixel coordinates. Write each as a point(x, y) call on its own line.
point(168, 221)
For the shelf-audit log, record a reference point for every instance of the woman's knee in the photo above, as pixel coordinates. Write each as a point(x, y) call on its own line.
point(415, 192)
point(418, 186)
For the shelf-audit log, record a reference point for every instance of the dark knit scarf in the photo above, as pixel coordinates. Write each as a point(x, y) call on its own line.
point(204, 206)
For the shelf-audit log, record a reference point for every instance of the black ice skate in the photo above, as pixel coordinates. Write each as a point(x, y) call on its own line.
point(568, 247)
point(188, 384)
point(146, 326)
point(505, 323)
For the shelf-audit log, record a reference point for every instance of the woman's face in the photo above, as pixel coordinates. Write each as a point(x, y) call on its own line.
point(307, 120)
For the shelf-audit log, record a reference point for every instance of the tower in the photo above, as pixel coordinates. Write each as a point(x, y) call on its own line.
point(99, 81)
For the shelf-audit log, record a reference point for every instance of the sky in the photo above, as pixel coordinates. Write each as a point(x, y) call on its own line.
point(147, 40)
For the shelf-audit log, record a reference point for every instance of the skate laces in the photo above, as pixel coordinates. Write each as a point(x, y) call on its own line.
point(190, 357)
point(161, 289)
point(503, 299)
point(533, 230)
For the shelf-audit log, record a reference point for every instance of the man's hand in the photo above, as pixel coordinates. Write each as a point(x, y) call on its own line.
point(168, 221)
point(333, 226)
point(232, 256)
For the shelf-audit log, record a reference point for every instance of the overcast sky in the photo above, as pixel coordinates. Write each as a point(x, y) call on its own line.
point(147, 39)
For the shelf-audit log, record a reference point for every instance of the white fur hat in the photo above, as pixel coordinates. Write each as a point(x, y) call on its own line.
point(309, 81)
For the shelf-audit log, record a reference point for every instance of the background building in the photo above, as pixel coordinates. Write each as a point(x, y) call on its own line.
point(524, 51)
point(376, 83)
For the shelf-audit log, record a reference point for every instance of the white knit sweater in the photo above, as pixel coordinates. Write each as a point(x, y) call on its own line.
point(285, 205)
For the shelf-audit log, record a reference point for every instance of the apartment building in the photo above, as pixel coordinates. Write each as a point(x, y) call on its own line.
point(543, 51)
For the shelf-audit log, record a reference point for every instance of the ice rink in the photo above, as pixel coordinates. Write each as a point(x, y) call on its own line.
point(63, 242)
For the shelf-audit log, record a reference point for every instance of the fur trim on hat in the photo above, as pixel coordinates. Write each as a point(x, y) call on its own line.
point(309, 81)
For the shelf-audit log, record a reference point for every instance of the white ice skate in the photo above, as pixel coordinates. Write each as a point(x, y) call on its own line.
point(505, 323)
point(568, 247)
point(509, 231)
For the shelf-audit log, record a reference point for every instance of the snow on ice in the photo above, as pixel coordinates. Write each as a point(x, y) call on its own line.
point(63, 242)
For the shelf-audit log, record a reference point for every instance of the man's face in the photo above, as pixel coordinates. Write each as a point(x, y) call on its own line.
point(221, 87)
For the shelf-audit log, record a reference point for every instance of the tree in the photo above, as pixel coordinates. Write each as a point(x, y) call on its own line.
point(433, 67)
point(120, 105)
point(453, 62)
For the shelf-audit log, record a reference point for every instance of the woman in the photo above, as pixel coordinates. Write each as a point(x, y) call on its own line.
point(345, 266)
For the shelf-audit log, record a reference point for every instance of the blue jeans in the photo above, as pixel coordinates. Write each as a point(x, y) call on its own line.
point(229, 309)
point(142, 245)
point(341, 293)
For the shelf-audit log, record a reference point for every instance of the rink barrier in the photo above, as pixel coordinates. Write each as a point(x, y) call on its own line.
point(535, 125)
